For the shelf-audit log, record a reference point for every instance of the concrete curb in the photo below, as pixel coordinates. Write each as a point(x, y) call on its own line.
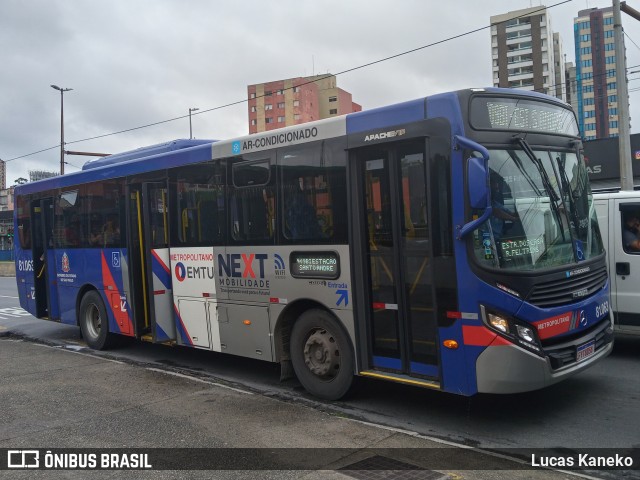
point(7, 269)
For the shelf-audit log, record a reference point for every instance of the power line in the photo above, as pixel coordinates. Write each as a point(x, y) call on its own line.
point(349, 70)
point(631, 39)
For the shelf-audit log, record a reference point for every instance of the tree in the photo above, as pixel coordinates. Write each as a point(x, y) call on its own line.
point(20, 181)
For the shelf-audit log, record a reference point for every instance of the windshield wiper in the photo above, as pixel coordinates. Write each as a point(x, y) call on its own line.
point(516, 159)
point(546, 183)
point(566, 184)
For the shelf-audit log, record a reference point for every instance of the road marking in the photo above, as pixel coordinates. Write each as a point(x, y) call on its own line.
point(195, 379)
point(74, 349)
point(6, 296)
point(71, 349)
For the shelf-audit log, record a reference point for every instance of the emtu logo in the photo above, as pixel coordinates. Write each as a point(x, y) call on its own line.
point(181, 272)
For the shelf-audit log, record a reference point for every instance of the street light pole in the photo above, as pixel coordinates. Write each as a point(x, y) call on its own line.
point(61, 90)
point(190, 129)
point(624, 140)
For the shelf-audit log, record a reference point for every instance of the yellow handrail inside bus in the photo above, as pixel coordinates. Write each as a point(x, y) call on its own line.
point(164, 217)
point(185, 223)
point(143, 258)
point(199, 220)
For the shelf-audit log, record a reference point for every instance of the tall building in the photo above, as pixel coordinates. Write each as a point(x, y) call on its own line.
point(6, 199)
point(3, 174)
point(558, 65)
point(522, 50)
point(571, 85)
point(597, 95)
point(296, 100)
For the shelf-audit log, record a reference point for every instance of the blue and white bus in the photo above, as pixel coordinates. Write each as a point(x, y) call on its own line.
point(448, 242)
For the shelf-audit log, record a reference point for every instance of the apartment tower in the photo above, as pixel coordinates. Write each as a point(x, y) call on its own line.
point(524, 51)
point(597, 95)
point(296, 100)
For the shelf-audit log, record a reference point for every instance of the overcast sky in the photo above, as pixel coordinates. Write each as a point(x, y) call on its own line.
point(137, 62)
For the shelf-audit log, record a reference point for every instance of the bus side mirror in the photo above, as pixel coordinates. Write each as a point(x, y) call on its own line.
point(477, 183)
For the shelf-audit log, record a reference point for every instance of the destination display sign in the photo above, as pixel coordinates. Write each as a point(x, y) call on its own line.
point(522, 246)
point(314, 265)
point(498, 113)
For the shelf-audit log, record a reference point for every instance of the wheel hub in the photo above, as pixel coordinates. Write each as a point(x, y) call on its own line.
point(94, 322)
point(321, 354)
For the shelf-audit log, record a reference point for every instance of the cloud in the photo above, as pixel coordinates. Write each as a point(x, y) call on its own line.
point(136, 63)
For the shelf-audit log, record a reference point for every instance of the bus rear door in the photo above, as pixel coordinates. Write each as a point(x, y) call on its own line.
point(44, 260)
point(399, 303)
point(150, 265)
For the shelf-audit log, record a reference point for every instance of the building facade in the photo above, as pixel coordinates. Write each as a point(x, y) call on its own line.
point(597, 95)
point(3, 174)
point(283, 103)
point(571, 85)
point(6, 199)
point(524, 52)
point(558, 66)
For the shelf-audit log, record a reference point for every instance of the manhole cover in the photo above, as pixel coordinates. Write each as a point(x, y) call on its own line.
point(384, 468)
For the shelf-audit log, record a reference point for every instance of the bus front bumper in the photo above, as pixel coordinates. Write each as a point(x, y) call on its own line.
point(512, 369)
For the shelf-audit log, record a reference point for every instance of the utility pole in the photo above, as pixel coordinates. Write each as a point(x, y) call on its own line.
point(624, 134)
point(191, 129)
point(61, 90)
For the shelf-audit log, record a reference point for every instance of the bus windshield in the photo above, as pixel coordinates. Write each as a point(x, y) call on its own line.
point(543, 214)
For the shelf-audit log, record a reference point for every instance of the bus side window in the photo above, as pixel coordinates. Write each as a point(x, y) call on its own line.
point(252, 202)
point(302, 220)
point(313, 192)
point(250, 214)
point(207, 212)
point(198, 203)
point(67, 226)
point(24, 222)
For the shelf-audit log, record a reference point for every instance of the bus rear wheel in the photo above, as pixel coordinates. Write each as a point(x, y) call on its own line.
point(94, 322)
point(322, 355)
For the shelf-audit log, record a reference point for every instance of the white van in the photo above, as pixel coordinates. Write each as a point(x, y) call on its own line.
point(614, 209)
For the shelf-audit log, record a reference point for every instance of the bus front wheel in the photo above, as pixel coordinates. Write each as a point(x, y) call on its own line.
point(94, 322)
point(322, 355)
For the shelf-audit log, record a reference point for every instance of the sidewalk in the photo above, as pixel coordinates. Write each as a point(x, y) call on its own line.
point(7, 269)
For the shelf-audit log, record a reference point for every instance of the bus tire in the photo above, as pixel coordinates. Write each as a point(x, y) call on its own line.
point(322, 355)
point(94, 322)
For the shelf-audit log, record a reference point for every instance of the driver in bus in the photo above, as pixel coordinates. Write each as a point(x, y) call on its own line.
point(499, 214)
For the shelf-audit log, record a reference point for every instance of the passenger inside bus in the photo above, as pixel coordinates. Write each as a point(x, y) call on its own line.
point(72, 232)
point(111, 232)
point(95, 236)
point(500, 214)
point(301, 219)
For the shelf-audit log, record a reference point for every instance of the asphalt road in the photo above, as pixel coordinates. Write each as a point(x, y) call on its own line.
point(596, 409)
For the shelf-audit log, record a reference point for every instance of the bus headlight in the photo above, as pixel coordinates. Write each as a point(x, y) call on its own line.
point(514, 330)
point(498, 322)
point(526, 333)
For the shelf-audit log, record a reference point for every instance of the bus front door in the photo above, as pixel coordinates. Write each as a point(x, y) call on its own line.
point(44, 260)
point(150, 272)
point(400, 320)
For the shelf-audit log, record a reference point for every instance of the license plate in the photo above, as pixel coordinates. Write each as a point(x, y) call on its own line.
point(585, 350)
